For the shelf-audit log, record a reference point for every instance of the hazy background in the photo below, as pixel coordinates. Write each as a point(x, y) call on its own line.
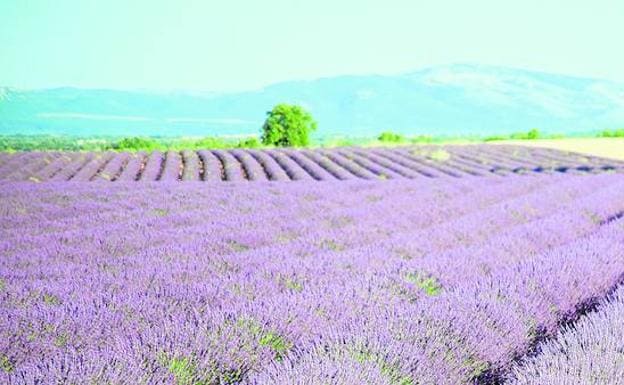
point(192, 52)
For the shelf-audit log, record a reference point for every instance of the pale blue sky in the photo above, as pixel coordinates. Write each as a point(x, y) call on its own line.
point(233, 45)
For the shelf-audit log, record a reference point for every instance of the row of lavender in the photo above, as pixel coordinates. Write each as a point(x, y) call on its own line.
point(303, 283)
point(591, 352)
point(283, 165)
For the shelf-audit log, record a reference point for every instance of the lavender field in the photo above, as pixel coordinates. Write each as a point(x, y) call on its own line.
point(591, 351)
point(454, 265)
point(283, 165)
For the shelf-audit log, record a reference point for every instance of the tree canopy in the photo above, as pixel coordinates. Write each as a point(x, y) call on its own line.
point(288, 125)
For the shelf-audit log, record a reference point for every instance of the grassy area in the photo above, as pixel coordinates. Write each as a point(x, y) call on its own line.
point(10, 143)
point(70, 143)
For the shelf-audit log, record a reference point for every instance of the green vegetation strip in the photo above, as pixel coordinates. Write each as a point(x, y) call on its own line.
point(12, 143)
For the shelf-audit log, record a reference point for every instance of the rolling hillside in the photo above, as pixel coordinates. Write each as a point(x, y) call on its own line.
point(343, 164)
point(446, 100)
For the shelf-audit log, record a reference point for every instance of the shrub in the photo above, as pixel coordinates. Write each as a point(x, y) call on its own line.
point(529, 135)
point(288, 126)
point(618, 133)
point(249, 143)
point(136, 144)
point(204, 143)
point(389, 136)
point(533, 134)
point(494, 138)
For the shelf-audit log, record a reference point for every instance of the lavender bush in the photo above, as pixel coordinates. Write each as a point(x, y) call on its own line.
point(343, 282)
point(588, 352)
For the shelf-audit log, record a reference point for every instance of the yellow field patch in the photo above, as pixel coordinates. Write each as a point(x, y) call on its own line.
point(604, 147)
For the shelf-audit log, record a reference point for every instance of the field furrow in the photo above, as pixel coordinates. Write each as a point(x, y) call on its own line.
point(272, 168)
point(212, 167)
point(312, 168)
point(320, 164)
point(233, 170)
point(252, 168)
point(191, 166)
point(92, 167)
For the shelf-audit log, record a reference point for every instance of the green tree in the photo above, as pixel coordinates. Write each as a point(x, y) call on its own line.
point(288, 126)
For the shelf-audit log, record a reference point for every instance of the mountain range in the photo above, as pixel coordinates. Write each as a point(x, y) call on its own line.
point(451, 100)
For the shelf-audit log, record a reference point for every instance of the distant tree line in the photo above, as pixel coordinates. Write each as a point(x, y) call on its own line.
point(286, 125)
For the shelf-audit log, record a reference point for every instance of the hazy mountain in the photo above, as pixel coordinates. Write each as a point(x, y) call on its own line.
point(446, 100)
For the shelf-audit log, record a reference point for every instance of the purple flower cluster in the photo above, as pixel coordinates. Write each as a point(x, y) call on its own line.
point(360, 281)
point(589, 352)
point(284, 165)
